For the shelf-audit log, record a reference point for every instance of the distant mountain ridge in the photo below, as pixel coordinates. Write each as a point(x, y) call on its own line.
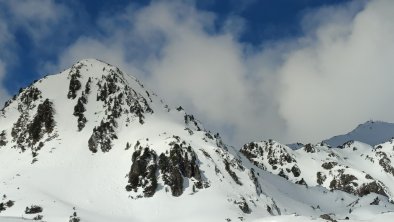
point(370, 132)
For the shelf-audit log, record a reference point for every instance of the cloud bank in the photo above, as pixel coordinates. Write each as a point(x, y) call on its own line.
point(337, 74)
point(37, 21)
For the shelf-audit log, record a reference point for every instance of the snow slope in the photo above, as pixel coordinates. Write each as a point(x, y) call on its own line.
point(93, 144)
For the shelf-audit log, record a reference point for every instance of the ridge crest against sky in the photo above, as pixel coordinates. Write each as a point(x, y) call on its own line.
point(290, 70)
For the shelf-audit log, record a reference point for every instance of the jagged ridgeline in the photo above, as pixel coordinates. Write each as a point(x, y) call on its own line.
point(93, 144)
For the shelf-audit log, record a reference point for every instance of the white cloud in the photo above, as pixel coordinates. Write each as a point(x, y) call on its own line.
point(341, 75)
point(3, 93)
point(37, 17)
point(188, 64)
point(335, 76)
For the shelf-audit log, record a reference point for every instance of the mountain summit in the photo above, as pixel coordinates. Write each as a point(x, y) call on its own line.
point(370, 132)
point(93, 144)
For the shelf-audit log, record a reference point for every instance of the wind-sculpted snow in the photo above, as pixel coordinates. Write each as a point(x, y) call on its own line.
point(93, 144)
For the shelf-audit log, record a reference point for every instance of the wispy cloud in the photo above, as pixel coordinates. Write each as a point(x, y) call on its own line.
point(37, 18)
point(41, 24)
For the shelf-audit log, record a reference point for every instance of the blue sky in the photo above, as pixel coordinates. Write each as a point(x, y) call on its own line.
point(292, 70)
point(264, 21)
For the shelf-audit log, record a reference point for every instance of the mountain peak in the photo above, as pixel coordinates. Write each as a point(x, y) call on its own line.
point(93, 144)
point(371, 132)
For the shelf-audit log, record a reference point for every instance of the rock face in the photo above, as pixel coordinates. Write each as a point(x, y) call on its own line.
point(94, 140)
point(179, 164)
point(143, 172)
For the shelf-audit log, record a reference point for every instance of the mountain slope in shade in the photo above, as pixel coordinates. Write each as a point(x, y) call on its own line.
point(370, 132)
point(93, 144)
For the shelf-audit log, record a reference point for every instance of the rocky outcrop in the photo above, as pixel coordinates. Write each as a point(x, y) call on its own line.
point(143, 172)
point(180, 163)
point(177, 164)
point(28, 133)
point(101, 137)
point(75, 84)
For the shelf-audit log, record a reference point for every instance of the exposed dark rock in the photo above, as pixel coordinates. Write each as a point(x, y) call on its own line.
point(282, 174)
point(181, 162)
point(375, 201)
point(385, 162)
point(344, 183)
point(346, 144)
point(3, 138)
point(327, 217)
point(309, 148)
point(255, 181)
point(87, 86)
point(43, 121)
point(301, 182)
point(329, 165)
point(79, 109)
point(74, 218)
point(102, 136)
point(9, 203)
point(75, 84)
point(232, 173)
point(296, 171)
point(38, 217)
point(27, 97)
point(171, 175)
point(143, 172)
point(373, 187)
point(244, 206)
point(320, 178)
point(192, 122)
point(33, 209)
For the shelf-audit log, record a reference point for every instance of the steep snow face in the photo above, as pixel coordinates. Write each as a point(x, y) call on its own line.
point(370, 132)
point(93, 144)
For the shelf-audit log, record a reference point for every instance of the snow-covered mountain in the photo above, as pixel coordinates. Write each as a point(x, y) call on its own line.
point(370, 132)
point(93, 144)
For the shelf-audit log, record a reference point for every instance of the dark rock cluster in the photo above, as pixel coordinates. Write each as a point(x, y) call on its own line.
point(33, 209)
point(278, 158)
point(3, 138)
point(75, 84)
point(74, 218)
point(27, 133)
point(143, 172)
point(102, 136)
point(6, 204)
point(385, 162)
point(43, 122)
point(118, 99)
point(348, 183)
point(243, 205)
point(79, 108)
point(174, 166)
